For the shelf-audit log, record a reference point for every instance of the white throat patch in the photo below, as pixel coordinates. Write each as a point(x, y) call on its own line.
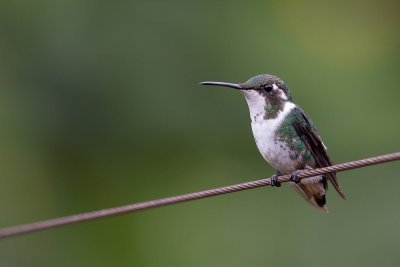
point(256, 103)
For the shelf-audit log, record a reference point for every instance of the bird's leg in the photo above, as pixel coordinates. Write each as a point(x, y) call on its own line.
point(274, 182)
point(293, 177)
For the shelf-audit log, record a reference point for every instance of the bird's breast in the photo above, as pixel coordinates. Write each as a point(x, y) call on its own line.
point(274, 151)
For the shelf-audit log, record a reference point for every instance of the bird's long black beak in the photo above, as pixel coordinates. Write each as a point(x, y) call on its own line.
point(232, 85)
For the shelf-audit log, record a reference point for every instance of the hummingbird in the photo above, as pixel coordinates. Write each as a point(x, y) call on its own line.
point(286, 137)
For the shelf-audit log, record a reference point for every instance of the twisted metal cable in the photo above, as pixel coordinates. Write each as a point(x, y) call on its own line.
point(32, 227)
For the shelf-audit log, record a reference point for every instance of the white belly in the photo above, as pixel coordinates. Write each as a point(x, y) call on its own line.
point(275, 152)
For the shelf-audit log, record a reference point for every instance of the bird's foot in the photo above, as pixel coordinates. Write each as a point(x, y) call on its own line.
point(274, 182)
point(293, 177)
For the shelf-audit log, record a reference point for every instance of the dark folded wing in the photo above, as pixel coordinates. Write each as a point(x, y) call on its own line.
point(308, 134)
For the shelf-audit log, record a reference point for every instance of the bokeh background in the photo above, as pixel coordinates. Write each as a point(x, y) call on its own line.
point(100, 106)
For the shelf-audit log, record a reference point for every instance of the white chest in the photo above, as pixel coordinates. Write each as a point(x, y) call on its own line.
point(275, 152)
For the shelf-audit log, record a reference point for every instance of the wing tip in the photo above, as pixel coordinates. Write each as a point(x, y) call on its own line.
point(339, 190)
point(332, 178)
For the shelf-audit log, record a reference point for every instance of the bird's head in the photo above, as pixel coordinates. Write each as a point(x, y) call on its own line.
point(264, 93)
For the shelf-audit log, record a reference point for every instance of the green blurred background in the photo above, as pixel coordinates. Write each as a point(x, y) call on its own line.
point(100, 106)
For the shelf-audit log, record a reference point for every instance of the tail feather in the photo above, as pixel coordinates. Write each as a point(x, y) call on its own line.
point(313, 193)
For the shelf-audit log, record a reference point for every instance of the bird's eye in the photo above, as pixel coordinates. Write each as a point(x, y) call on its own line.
point(268, 87)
